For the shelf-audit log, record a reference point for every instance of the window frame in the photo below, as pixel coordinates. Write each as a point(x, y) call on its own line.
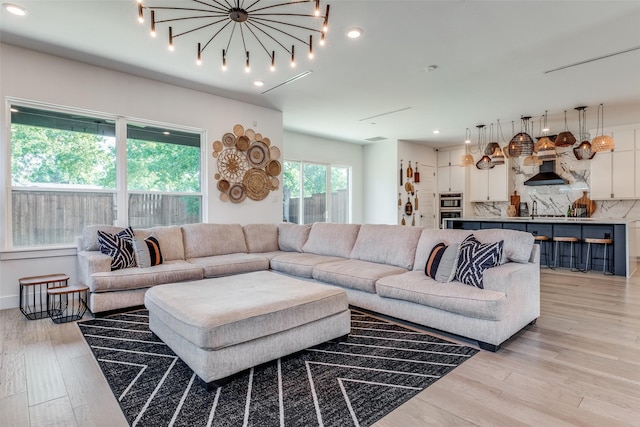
point(328, 201)
point(120, 192)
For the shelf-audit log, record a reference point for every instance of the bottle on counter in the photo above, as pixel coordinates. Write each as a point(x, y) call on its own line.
point(569, 211)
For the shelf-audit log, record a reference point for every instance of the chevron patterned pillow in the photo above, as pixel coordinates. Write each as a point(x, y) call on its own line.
point(475, 258)
point(119, 247)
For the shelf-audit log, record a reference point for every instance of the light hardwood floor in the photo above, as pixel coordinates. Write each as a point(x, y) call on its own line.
point(579, 365)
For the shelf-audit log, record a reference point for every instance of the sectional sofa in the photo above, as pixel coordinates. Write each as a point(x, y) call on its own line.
point(381, 268)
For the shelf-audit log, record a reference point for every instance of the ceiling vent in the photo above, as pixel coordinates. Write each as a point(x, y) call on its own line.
point(376, 139)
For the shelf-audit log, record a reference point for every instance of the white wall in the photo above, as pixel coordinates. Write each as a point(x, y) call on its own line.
point(34, 76)
point(304, 147)
point(381, 180)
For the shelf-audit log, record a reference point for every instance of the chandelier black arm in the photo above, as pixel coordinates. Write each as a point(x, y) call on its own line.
point(216, 5)
point(214, 36)
point(192, 17)
point(279, 4)
point(271, 37)
point(199, 28)
point(179, 8)
point(259, 20)
point(260, 41)
point(252, 4)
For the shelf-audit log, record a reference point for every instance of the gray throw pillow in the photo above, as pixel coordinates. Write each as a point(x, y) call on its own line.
point(442, 262)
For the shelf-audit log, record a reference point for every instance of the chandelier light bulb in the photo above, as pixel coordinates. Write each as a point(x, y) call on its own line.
point(317, 10)
point(224, 60)
point(322, 40)
point(14, 9)
point(171, 39)
point(153, 23)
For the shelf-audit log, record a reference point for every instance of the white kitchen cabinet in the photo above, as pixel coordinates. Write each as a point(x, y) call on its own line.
point(613, 174)
point(450, 174)
point(489, 185)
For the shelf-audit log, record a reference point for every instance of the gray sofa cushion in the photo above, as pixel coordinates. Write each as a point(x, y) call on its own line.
point(202, 240)
point(90, 235)
point(387, 244)
point(225, 265)
point(169, 238)
point(454, 297)
point(261, 237)
point(331, 239)
point(299, 264)
point(517, 244)
point(292, 237)
point(354, 274)
point(136, 278)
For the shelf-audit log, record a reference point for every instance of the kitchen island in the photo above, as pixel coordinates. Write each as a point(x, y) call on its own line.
point(622, 231)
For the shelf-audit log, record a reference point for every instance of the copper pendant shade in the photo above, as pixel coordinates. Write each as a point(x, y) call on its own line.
point(565, 138)
point(602, 142)
point(584, 150)
point(485, 163)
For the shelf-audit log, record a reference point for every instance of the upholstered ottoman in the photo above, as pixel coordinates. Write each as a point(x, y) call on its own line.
point(225, 325)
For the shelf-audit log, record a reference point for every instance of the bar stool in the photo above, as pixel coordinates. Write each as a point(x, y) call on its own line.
point(606, 268)
point(544, 243)
point(572, 254)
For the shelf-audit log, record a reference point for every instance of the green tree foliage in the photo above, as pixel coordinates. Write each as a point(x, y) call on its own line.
point(315, 181)
point(51, 156)
point(156, 166)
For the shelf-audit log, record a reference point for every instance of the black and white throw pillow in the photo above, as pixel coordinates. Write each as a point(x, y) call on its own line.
point(119, 247)
point(475, 258)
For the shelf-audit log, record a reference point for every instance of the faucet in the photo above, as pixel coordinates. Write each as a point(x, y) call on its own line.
point(534, 209)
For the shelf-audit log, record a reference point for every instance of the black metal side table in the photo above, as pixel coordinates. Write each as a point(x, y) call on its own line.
point(33, 295)
point(67, 304)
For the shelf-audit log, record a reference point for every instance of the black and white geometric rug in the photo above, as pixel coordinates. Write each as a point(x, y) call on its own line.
point(349, 383)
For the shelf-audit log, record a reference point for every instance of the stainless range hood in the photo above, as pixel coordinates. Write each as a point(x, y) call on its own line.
point(547, 175)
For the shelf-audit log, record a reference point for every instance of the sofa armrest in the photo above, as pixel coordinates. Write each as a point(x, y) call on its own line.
point(520, 283)
point(90, 262)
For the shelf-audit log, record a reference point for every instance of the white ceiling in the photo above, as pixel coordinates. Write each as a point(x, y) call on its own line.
point(491, 58)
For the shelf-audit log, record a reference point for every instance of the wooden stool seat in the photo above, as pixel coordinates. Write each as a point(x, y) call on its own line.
point(565, 239)
point(541, 238)
point(600, 241)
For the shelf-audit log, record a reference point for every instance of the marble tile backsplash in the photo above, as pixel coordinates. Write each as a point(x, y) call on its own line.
point(555, 199)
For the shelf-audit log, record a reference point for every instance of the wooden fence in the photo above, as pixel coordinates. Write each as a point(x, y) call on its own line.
point(315, 208)
point(52, 217)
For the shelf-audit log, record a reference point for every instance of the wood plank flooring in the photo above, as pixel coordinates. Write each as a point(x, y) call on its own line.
point(579, 365)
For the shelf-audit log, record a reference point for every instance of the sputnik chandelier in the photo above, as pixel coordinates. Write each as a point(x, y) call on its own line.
point(269, 26)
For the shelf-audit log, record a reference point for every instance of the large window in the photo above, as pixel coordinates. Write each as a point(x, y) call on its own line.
point(66, 173)
point(316, 193)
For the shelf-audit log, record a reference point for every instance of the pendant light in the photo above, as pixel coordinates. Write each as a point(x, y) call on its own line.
point(545, 148)
point(602, 142)
point(584, 150)
point(485, 161)
point(521, 144)
point(494, 150)
point(467, 159)
point(565, 138)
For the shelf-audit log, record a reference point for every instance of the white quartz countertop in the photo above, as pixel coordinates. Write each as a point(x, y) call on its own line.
point(549, 220)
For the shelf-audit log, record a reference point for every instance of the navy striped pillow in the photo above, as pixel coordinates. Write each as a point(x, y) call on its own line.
point(475, 258)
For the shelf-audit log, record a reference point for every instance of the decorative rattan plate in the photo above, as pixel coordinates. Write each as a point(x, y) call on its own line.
point(232, 165)
point(238, 130)
point(273, 168)
point(237, 193)
point(258, 154)
point(256, 184)
point(229, 140)
point(242, 143)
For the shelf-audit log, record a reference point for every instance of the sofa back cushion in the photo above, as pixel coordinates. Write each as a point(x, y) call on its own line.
point(431, 237)
point(292, 237)
point(169, 238)
point(90, 236)
point(202, 240)
point(387, 244)
point(261, 237)
point(517, 244)
point(331, 239)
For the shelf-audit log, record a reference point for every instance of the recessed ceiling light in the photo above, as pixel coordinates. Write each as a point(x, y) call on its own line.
point(354, 33)
point(15, 9)
point(258, 83)
point(436, 131)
